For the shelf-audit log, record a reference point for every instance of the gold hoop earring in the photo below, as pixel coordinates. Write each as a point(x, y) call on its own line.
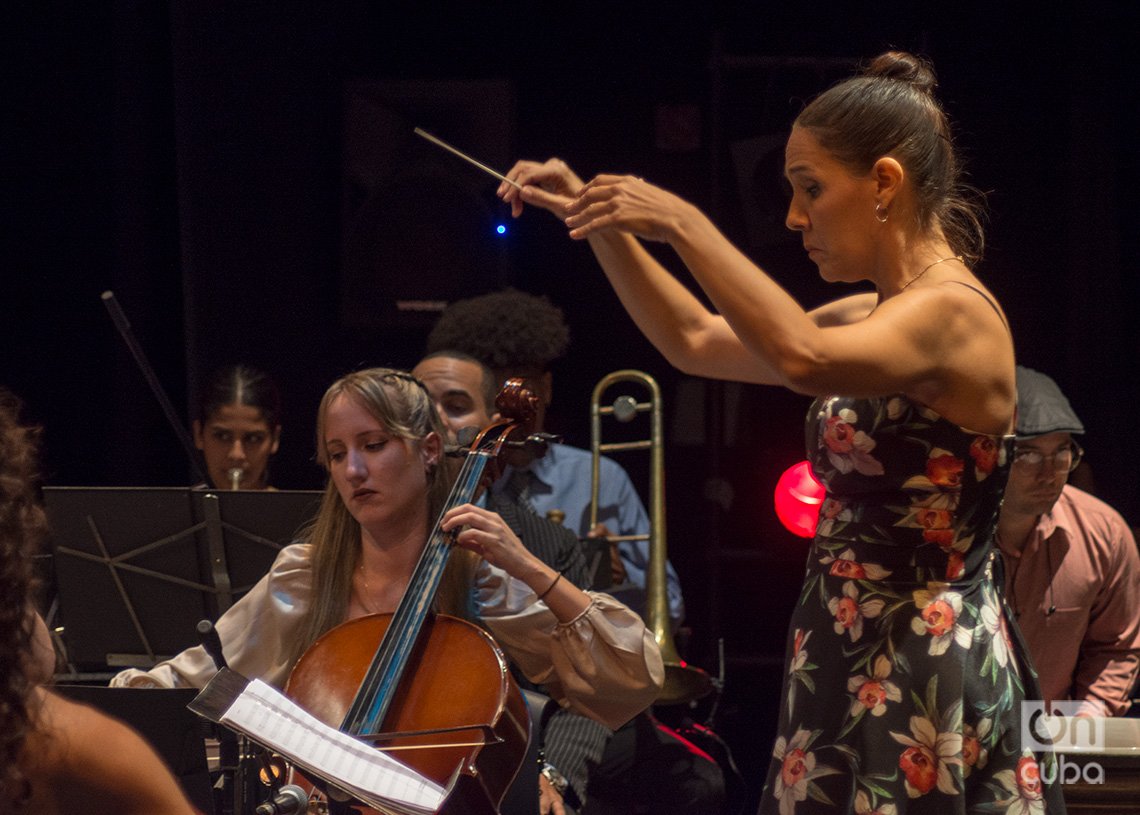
point(881, 213)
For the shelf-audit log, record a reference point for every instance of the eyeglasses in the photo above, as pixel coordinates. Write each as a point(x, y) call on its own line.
point(1064, 460)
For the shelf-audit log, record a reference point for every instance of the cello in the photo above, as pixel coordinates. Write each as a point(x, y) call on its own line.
point(433, 690)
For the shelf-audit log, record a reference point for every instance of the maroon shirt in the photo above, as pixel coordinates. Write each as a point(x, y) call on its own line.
point(1089, 647)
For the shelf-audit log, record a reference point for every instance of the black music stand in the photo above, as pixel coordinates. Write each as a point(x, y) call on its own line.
point(164, 720)
point(136, 568)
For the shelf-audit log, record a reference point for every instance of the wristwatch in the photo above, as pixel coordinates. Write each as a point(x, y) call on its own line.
point(556, 779)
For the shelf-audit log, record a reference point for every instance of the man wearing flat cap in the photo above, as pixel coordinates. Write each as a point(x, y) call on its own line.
point(1071, 563)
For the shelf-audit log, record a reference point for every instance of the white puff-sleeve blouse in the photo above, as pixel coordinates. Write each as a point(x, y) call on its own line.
point(604, 663)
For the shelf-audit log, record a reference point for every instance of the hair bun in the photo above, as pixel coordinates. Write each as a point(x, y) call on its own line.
point(899, 65)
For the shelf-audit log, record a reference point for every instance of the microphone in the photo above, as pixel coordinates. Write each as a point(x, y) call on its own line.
point(208, 636)
point(289, 800)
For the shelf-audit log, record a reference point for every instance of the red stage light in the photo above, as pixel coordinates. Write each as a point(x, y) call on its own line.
point(798, 499)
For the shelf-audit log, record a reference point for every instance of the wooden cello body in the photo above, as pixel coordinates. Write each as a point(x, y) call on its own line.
point(460, 690)
point(432, 690)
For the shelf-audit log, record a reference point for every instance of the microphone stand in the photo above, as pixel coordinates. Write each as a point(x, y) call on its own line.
point(234, 792)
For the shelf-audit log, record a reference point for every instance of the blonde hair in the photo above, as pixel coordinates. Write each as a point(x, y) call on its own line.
point(403, 407)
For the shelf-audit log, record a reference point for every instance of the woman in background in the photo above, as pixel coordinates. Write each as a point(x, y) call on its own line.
point(238, 427)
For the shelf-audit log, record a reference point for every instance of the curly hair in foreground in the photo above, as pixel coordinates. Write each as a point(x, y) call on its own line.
point(22, 527)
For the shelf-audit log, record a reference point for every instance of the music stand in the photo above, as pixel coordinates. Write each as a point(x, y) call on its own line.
point(136, 568)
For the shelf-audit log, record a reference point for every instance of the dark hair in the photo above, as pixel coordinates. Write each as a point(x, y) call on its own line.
point(890, 110)
point(511, 332)
point(241, 385)
point(488, 386)
point(22, 528)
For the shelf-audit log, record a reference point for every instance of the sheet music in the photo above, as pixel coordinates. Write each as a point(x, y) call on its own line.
point(376, 778)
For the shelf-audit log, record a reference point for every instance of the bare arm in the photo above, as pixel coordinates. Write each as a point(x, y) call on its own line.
point(926, 344)
point(688, 334)
point(488, 535)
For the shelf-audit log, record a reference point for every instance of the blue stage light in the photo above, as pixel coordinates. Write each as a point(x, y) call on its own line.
point(501, 229)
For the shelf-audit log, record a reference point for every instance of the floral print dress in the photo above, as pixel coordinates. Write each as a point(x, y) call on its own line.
point(904, 683)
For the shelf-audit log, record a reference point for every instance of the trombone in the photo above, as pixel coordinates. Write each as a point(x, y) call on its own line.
point(683, 682)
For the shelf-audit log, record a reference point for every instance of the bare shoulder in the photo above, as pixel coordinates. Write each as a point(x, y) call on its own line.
point(947, 314)
point(963, 327)
point(974, 299)
point(80, 759)
point(845, 310)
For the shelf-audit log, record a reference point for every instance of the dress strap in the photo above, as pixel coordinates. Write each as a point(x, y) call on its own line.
point(1001, 317)
point(988, 299)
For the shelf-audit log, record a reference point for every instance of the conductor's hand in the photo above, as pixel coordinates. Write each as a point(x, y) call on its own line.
point(551, 185)
point(626, 203)
point(486, 534)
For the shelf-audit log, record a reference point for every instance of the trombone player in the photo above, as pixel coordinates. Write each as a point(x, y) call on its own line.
point(515, 334)
point(463, 390)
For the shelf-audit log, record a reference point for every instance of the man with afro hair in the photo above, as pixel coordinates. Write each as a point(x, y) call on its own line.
point(511, 332)
point(517, 334)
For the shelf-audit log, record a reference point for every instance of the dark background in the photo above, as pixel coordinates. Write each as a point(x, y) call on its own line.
point(244, 179)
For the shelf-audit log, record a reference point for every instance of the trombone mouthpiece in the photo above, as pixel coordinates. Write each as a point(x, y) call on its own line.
point(235, 474)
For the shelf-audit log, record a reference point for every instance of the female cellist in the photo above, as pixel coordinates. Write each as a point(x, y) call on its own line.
point(381, 440)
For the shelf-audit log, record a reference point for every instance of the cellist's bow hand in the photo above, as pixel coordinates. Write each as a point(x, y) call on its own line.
point(549, 185)
point(487, 534)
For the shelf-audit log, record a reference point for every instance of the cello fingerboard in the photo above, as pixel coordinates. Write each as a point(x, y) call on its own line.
point(378, 688)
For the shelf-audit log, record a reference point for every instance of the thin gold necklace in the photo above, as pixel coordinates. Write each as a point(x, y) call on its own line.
point(928, 268)
point(367, 592)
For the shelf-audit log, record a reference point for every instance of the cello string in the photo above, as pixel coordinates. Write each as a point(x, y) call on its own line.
point(375, 694)
point(376, 690)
